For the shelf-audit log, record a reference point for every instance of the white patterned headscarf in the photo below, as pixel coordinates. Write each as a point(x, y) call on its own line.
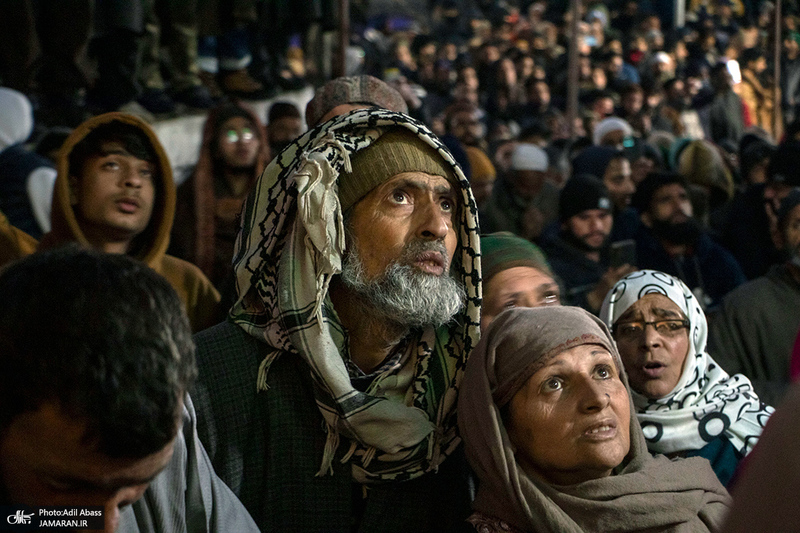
point(706, 402)
point(291, 244)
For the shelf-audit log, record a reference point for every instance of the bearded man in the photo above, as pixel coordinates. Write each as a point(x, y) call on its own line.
point(671, 240)
point(328, 397)
point(578, 251)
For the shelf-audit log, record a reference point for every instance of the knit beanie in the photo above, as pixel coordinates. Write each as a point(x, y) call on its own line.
point(783, 167)
point(503, 250)
point(365, 89)
point(483, 170)
point(594, 160)
point(396, 151)
point(580, 193)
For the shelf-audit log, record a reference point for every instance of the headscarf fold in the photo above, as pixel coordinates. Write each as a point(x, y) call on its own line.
point(290, 246)
point(642, 493)
point(706, 402)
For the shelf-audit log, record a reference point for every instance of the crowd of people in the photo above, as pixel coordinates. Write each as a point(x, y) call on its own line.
point(429, 301)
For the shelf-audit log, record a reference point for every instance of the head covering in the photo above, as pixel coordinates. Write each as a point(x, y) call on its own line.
point(701, 164)
point(289, 247)
point(483, 170)
point(648, 187)
point(528, 156)
point(580, 193)
point(706, 402)
point(594, 160)
point(608, 125)
point(503, 250)
point(782, 166)
point(395, 152)
point(643, 492)
point(363, 89)
point(17, 112)
point(203, 180)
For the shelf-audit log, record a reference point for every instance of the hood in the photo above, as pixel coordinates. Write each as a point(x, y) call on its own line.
point(17, 117)
point(65, 225)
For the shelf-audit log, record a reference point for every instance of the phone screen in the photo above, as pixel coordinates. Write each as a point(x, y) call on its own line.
point(623, 253)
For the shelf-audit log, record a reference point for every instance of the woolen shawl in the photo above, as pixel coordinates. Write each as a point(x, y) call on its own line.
point(706, 402)
point(644, 493)
point(290, 246)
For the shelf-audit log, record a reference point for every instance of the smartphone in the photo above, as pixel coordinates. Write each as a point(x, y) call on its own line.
point(622, 253)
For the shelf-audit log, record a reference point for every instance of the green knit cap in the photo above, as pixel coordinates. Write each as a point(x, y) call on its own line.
point(504, 250)
point(396, 151)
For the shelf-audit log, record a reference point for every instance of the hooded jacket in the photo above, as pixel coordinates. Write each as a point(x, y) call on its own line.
point(14, 243)
point(195, 290)
point(206, 207)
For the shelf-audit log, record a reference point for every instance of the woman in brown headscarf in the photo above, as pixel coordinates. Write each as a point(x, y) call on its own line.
point(548, 425)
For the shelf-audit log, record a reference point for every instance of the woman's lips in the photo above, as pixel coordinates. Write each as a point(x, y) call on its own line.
point(654, 370)
point(605, 430)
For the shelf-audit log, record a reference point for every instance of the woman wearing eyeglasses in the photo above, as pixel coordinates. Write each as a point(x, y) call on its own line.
point(686, 403)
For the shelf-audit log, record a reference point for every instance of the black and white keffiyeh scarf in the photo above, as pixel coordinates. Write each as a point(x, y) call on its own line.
point(706, 402)
point(290, 245)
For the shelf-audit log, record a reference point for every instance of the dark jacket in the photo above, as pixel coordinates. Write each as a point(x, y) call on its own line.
point(577, 273)
point(708, 266)
point(267, 446)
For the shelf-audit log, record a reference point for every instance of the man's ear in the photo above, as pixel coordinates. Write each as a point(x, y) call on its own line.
point(646, 219)
point(73, 190)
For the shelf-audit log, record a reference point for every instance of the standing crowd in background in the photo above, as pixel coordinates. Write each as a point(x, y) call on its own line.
point(359, 274)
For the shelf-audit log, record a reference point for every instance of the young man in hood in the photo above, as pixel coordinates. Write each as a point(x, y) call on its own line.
point(114, 192)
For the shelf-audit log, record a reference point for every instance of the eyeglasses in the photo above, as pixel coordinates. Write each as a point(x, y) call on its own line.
point(667, 328)
point(233, 136)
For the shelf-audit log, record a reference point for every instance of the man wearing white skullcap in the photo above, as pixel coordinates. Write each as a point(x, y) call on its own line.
point(523, 201)
point(611, 131)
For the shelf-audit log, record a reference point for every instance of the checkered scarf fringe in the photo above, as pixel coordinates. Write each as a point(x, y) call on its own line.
point(289, 247)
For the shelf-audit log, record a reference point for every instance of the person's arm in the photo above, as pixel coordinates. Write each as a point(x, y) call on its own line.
point(763, 499)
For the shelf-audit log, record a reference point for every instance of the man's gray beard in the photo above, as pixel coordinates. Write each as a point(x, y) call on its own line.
point(405, 295)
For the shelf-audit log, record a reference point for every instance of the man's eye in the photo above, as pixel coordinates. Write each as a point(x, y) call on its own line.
point(110, 165)
point(399, 197)
point(447, 205)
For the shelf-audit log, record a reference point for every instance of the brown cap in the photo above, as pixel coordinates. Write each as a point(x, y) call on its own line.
point(397, 151)
point(365, 89)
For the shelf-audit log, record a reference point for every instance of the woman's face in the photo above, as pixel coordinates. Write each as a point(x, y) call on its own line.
point(570, 422)
point(653, 355)
point(520, 286)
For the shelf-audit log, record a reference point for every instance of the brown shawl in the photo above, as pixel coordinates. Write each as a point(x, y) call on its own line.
point(643, 493)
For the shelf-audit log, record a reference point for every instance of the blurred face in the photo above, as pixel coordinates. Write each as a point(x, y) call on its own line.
point(592, 227)
point(238, 143)
point(540, 94)
point(641, 168)
point(619, 183)
point(570, 422)
point(528, 183)
point(653, 354)
point(632, 102)
point(670, 204)
point(411, 206)
point(792, 232)
point(520, 286)
point(44, 460)
point(114, 196)
point(282, 131)
point(466, 127)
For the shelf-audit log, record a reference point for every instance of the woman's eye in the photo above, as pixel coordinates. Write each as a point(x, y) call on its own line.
point(604, 372)
point(510, 304)
point(551, 384)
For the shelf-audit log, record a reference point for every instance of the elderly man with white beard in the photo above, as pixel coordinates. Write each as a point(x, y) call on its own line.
point(327, 400)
